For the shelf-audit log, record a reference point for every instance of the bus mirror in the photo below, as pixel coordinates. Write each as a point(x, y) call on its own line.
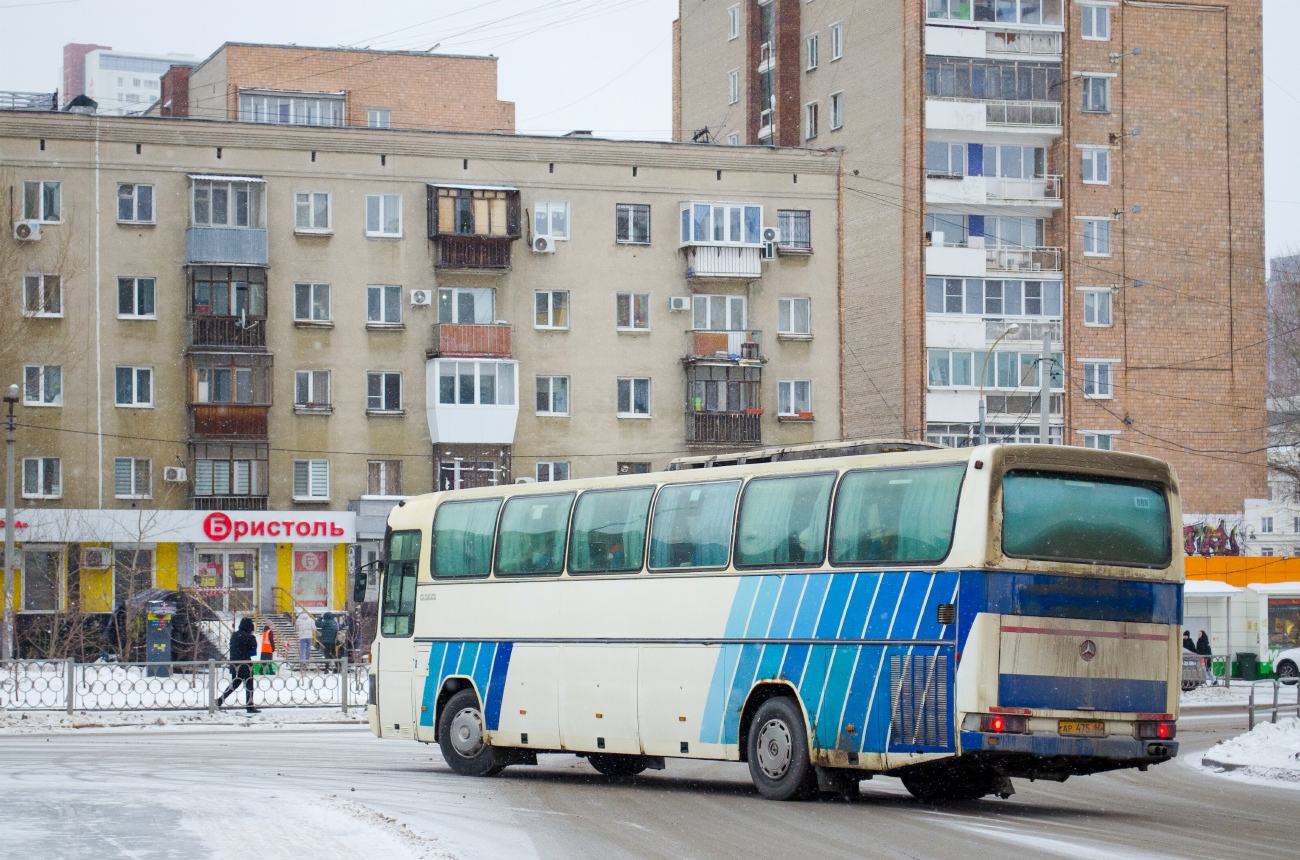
point(359, 586)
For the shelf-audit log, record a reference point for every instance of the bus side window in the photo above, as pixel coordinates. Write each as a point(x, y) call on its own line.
point(691, 525)
point(462, 538)
point(783, 521)
point(397, 602)
point(896, 515)
point(531, 537)
point(609, 531)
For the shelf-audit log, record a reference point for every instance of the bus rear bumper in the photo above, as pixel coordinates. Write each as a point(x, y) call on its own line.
point(1045, 755)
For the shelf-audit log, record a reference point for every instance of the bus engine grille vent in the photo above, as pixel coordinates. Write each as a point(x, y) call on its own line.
point(919, 701)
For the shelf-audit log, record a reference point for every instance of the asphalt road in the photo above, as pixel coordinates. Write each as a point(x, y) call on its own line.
point(314, 792)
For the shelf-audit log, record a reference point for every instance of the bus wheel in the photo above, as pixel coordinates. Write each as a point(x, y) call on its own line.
point(460, 736)
point(947, 783)
point(617, 765)
point(778, 752)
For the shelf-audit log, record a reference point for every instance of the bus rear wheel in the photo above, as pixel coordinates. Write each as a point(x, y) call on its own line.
point(778, 752)
point(462, 740)
point(617, 765)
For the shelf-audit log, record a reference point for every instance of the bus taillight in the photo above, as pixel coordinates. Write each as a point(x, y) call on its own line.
point(1004, 724)
point(1160, 731)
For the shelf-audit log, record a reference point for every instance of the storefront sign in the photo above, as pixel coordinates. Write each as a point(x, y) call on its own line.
point(59, 525)
point(221, 526)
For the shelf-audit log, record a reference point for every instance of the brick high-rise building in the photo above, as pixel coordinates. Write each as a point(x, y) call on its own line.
point(1084, 168)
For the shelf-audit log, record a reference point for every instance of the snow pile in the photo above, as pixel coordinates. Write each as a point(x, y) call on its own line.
point(1237, 694)
point(20, 722)
point(1269, 751)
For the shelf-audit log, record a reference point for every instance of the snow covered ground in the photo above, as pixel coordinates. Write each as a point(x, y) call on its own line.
point(1238, 694)
point(20, 722)
point(1270, 751)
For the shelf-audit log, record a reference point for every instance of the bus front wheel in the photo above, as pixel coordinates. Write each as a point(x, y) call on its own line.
point(778, 752)
point(462, 740)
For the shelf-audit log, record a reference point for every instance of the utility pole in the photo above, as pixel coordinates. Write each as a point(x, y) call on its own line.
point(7, 646)
point(1045, 386)
point(1011, 329)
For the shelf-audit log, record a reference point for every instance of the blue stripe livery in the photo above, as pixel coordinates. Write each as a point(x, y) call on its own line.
point(485, 663)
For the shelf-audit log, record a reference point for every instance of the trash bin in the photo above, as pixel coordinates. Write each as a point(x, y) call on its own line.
point(1247, 665)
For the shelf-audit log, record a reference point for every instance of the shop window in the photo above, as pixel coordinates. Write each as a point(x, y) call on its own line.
point(311, 578)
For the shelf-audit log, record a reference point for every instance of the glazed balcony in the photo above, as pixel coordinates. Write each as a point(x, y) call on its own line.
point(1024, 260)
point(230, 246)
point(469, 341)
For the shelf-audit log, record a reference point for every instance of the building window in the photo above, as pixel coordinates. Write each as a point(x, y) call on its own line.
point(1266, 525)
point(481, 383)
point(384, 215)
point(467, 305)
point(632, 223)
point(552, 471)
point(226, 291)
point(960, 368)
point(733, 86)
point(721, 224)
point(1096, 93)
point(311, 480)
point(132, 478)
point(733, 139)
point(384, 305)
point(810, 120)
point(718, 313)
point(634, 397)
point(43, 385)
point(1100, 441)
point(837, 40)
point(632, 311)
point(135, 204)
point(1097, 381)
point(379, 118)
point(135, 298)
point(992, 297)
point(1096, 237)
point(1096, 307)
point(477, 212)
point(385, 477)
point(837, 111)
point(552, 395)
point(230, 470)
point(962, 78)
point(552, 309)
point(795, 228)
point(812, 52)
point(1266, 552)
point(132, 573)
point(733, 23)
point(291, 109)
point(228, 203)
point(226, 381)
point(43, 201)
point(794, 397)
point(1096, 23)
point(1096, 164)
point(312, 389)
point(551, 218)
point(135, 386)
point(311, 212)
point(383, 391)
point(42, 296)
point(793, 317)
point(945, 160)
point(42, 478)
point(311, 302)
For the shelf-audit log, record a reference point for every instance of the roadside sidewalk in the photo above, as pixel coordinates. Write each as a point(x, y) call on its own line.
point(44, 722)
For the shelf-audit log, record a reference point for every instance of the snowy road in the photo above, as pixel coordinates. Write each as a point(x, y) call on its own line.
point(334, 791)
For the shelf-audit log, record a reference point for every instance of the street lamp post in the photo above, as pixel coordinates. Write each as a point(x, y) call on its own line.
point(1011, 329)
point(7, 646)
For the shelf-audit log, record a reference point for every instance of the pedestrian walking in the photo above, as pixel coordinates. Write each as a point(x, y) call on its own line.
point(243, 648)
point(329, 636)
point(305, 627)
point(1188, 644)
point(1207, 656)
point(268, 649)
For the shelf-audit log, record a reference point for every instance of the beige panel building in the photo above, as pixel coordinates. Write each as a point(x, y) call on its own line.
point(1083, 169)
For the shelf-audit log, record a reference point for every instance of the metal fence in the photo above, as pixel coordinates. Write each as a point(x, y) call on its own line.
point(65, 685)
point(1277, 705)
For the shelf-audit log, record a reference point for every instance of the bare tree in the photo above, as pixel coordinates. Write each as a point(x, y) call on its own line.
point(1283, 332)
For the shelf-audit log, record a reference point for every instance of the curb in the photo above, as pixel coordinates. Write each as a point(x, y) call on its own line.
point(1287, 774)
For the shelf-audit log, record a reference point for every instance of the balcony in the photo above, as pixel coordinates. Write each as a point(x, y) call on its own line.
point(228, 503)
point(459, 251)
point(1002, 113)
point(1030, 331)
point(227, 333)
point(729, 346)
point(724, 428)
point(230, 246)
point(1023, 43)
point(466, 341)
point(1040, 189)
point(1024, 260)
point(718, 261)
point(1022, 406)
point(229, 421)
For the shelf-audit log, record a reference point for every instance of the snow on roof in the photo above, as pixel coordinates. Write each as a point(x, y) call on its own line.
point(1208, 587)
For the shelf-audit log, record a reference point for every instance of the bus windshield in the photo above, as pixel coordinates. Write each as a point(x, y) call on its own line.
point(1084, 518)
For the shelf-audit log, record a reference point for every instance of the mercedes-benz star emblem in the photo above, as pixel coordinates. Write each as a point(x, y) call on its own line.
point(1087, 650)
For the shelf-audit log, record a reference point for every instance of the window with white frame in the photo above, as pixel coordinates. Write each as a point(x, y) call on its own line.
point(551, 309)
point(812, 52)
point(733, 23)
point(379, 118)
point(632, 311)
point(1095, 23)
point(1100, 441)
point(230, 470)
point(476, 383)
point(1097, 379)
point(1096, 307)
point(383, 391)
point(311, 389)
point(552, 470)
point(311, 480)
point(467, 305)
point(632, 223)
point(384, 305)
point(42, 478)
point(134, 386)
point(945, 160)
point(135, 204)
point(795, 226)
point(1096, 93)
point(733, 139)
point(794, 397)
point(552, 395)
point(837, 111)
point(132, 478)
point(384, 215)
point(551, 218)
point(992, 297)
point(43, 201)
point(837, 40)
point(721, 224)
point(311, 302)
point(135, 298)
point(42, 295)
point(43, 385)
point(1266, 525)
point(384, 478)
point(718, 313)
point(284, 108)
point(634, 397)
point(222, 202)
point(794, 317)
point(810, 120)
point(311, 212)
point(1005, 370)
point(733, 86)
point(1096, 237)
point(1096, 165)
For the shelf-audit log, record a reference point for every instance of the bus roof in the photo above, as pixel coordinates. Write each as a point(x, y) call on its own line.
point(812, 451)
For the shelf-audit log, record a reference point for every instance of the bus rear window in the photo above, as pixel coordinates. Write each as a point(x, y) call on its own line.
point(462, 537)
point(896, 515)
point(1083, 518)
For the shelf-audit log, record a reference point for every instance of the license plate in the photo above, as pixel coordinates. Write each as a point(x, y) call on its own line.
point(1083, 728)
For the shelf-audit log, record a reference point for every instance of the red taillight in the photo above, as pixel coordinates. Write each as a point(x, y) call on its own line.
point(1004, 724)
point(1159, 731)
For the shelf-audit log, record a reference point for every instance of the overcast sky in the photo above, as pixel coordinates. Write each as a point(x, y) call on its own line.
point(603, 65)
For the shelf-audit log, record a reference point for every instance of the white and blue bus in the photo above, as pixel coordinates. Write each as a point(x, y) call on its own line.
point(951, 617)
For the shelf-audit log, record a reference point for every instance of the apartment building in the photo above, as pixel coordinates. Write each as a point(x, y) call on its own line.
point(1085, 170)
point(236, 338)
point(122, 83)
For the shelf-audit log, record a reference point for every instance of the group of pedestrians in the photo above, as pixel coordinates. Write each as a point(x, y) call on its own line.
point(1201, 647)
point(245, 648)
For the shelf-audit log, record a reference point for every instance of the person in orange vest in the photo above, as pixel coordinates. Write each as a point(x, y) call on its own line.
point(268, 649)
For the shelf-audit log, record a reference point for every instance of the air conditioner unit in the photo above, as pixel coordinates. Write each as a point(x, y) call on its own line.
point(96, 557)
point(174, 474)
point(771, 234)
point(679, 303)
point(421, 298)
point(27, 231)
point(543, 245)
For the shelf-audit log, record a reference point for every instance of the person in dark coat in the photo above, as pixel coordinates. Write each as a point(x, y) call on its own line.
point(1188, 644)
point(243, 648)
point(1203, 645)
point(329, 636)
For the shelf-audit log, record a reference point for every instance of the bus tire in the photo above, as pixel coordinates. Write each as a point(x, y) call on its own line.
point(948, 783)
point(461, 737)
point(778, 752)
point(611, 764)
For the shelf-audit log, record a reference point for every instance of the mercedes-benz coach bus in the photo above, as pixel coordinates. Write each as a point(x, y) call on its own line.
point(951, 617)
